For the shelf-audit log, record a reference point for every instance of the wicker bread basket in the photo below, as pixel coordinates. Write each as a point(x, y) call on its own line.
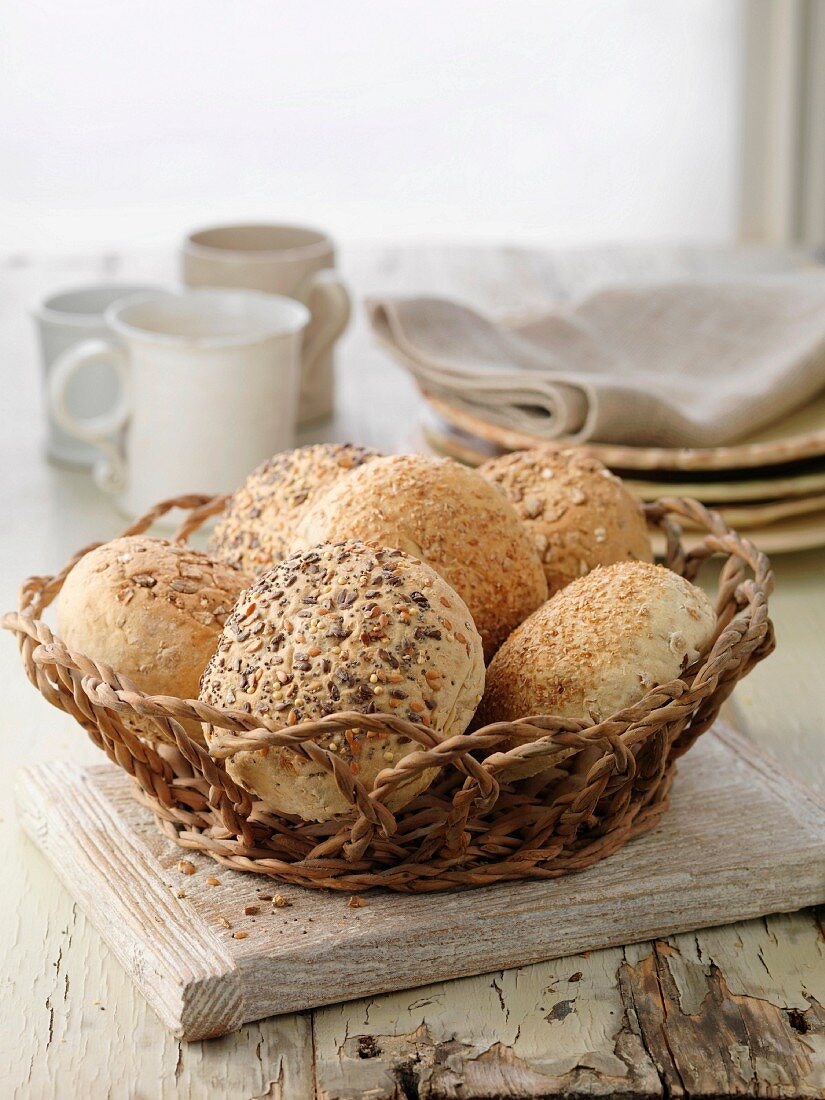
point(467, 828)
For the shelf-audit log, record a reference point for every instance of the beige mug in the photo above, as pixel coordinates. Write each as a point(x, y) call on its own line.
point(280, 259)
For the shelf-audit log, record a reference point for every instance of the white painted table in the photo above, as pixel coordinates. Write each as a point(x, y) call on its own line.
point(727, 1011)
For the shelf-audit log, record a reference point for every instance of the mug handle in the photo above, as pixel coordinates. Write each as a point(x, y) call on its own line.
point(327, 298)
point(110, 472)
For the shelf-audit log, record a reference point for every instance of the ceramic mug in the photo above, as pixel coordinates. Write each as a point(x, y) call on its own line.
point(63, 320)
point(280, 259)
point(208, 390)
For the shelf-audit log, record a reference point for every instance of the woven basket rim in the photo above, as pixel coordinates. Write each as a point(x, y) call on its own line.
point(100, 697)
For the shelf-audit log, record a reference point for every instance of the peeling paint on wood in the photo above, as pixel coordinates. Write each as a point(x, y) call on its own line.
point(708, 1040)
point(497, 1035)
point(679, 1017)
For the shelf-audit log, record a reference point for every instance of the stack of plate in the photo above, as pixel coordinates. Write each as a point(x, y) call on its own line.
point(770, 486)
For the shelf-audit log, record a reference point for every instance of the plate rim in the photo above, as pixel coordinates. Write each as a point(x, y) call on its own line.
point(731, 456)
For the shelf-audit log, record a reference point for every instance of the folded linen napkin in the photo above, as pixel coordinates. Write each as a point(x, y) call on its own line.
point(695, 364)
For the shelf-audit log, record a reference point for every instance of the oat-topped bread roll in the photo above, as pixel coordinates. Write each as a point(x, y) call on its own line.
point(452, 519)
point(345, 627)
point(258, 523)
point(599, 645)
point(578, 513)
point(151, 609)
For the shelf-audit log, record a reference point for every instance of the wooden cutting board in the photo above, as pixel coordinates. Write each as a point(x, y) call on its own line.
point(739, 840)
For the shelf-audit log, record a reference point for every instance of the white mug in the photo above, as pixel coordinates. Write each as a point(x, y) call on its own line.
point(280, 259)
point(208, 390)
point(63, 320)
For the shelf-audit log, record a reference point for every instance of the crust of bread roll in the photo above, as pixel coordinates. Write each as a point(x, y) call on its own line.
point(578, 513)
point(151, 609)
point(599, 645)
point(445, 514)
point(256, 527)
point(345, 627)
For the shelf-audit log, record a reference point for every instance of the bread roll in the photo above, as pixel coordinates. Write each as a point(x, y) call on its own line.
point(258, 522)
point(151, 609)
point(578, 513)
point(599, 645)
point(452, 519)
point(345, 627)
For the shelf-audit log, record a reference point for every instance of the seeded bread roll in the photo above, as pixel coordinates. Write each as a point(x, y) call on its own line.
point(345, 627)
point(599, 645)
point(452, 519)
point(258, 523)
point(151, 609)
point(578, 513)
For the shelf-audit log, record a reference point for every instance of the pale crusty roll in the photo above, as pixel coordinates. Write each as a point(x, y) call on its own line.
point(449, 517)
point(598, 646)
point(151, 609)
point(258, 523)
point(345, 627)
point(578, 513)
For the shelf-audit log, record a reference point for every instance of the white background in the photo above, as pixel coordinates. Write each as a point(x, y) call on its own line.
point(125, 122)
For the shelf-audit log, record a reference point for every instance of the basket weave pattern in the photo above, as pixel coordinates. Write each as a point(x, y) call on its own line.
point(468, 827)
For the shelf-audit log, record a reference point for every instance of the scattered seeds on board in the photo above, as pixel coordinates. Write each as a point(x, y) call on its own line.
point(240, 935)
point(355, 902)
point(180, 893)
point(186, 867)
point(251, 910)
point(280, 902)
point(264, 897)
point(223, 922)
point(212, 881)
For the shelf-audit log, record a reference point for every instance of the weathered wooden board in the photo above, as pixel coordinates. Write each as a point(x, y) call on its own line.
point(740, 839)
point(719, 1012)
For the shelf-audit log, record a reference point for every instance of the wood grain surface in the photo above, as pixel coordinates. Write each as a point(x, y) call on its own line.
point(740, 839)
point(73, 1023)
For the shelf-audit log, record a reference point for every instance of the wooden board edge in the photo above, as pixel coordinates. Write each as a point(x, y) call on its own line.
point(772, 772)
point(752, 892)
point(379, 989)
point(54, 799)
point(195, 989)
